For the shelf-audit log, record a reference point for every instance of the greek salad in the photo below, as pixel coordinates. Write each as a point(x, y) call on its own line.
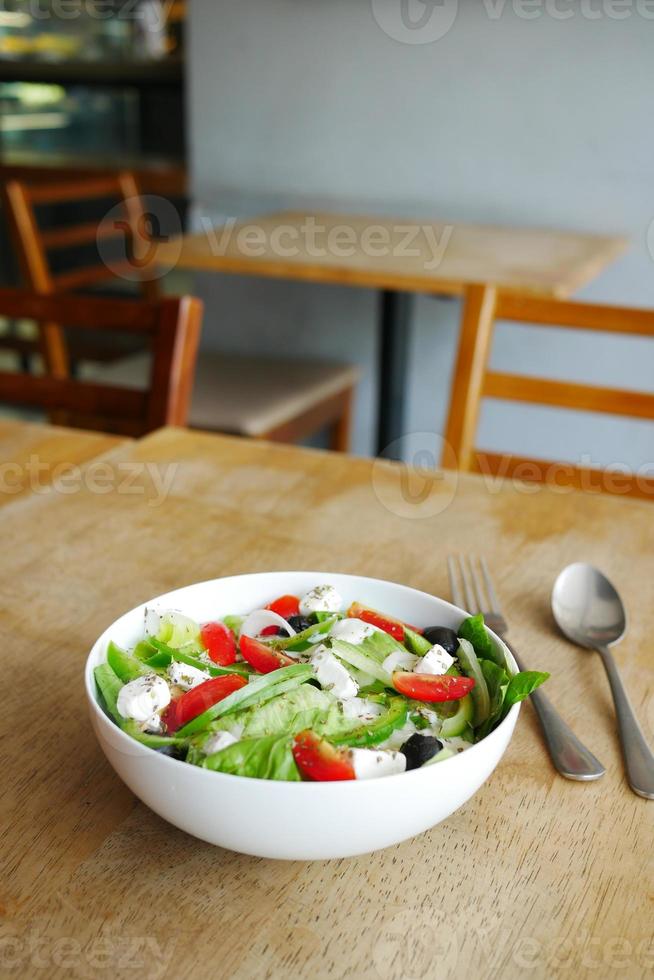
point(306, 689)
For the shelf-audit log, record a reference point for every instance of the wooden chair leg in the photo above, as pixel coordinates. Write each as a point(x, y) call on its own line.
point(341, 430)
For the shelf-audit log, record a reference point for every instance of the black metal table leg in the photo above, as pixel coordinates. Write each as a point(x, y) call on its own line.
point(394, 328)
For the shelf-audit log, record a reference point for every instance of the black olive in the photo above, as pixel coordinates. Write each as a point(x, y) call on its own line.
point(299, 623)
point(420, 749)
point(444, 637)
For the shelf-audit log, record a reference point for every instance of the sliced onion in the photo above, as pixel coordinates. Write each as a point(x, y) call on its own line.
point(261, 619)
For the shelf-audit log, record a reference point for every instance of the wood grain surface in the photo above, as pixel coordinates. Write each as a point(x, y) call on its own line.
point(399, 254)
point(535, 876)
point(33, 456)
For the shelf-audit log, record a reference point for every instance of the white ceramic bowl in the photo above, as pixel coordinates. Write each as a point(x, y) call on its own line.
point(294, 821)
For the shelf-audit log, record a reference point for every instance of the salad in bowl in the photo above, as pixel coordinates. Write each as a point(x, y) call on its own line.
point(308, 687)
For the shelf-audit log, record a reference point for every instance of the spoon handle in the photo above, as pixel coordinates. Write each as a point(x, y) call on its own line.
point(570, 756)
point(638, 757)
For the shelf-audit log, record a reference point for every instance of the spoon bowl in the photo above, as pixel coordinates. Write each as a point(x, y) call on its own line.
point(587, 607)
point(589, 611)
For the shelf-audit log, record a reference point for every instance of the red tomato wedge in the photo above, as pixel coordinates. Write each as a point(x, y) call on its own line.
point(261, 657)
point(381, 621)
point(220, 643)
point(286, 606)
point(319, 761)
point(199, 699)
point(432, 688)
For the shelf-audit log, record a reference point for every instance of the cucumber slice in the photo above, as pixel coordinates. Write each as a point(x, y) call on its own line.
point(457, 724)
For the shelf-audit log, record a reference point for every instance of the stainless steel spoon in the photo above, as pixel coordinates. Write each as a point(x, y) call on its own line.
point(589, 611)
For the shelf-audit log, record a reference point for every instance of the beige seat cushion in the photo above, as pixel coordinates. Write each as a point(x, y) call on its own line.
point(244, 395)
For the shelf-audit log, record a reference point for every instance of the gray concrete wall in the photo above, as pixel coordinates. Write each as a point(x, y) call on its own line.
point(530, 120)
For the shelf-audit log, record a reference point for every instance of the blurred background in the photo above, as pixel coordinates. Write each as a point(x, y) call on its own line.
point(496, 113)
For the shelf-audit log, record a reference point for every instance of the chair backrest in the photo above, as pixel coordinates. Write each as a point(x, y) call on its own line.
point(171, 328)
point(474, 381)
point(34, 244)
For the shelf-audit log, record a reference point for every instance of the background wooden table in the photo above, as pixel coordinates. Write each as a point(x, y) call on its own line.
point(534, 876)
point(397, 257)
point(33, 456)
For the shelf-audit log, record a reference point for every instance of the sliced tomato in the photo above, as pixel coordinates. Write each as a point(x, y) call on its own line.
point(386, 623)
point(220, 643)
point(319, 761)
point(187, 707)
point(432, 688)
point(261, 657)
point(286, 606)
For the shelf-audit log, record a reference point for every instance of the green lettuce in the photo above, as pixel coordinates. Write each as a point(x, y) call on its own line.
point(291, 713)
point(521, 686)
point(474, 631)
point(259, 758)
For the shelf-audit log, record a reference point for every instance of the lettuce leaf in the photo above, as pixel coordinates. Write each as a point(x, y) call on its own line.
point(521, 686)
point(474, 631)
point(472, 668)
point(497, 682)
point(259, 758)
point(290, 713)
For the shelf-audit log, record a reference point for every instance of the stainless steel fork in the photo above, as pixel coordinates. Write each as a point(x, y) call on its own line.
point(477, 594)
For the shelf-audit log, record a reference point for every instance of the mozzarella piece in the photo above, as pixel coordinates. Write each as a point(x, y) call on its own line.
point(218, 742)
point(185, 676)
point(332, 675)
point(324, 598)
point(153, 726)
point(352, 631)
point(436, 661)
point(400, 660)
point(359, 709)
point(143, 697)
point(369, 764)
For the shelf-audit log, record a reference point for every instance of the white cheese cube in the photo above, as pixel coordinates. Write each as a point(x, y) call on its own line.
point(324, 598)
point(332, 675)
point(143, 697)
point(185, 676)
point(369, 764)
point(353, 631)
point(436, 661)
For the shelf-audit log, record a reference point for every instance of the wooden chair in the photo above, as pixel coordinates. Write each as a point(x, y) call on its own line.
point(473, 382)
point(35, 245)
point(279, 399)
point(171, 327)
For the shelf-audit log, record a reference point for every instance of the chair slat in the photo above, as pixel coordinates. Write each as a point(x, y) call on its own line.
point(79, 396)
point(571, 315)
point(565, 394)
point(90, 275)
point(85, 312)
point(57, 238)
point(562, 474)
point(173, 328)
point(61, 192)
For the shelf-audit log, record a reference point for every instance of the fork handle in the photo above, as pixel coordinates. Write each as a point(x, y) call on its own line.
point(570, 757)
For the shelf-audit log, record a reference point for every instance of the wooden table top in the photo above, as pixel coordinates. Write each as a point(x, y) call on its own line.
point(408, 255)
point(33, 457)
point(533, 876)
